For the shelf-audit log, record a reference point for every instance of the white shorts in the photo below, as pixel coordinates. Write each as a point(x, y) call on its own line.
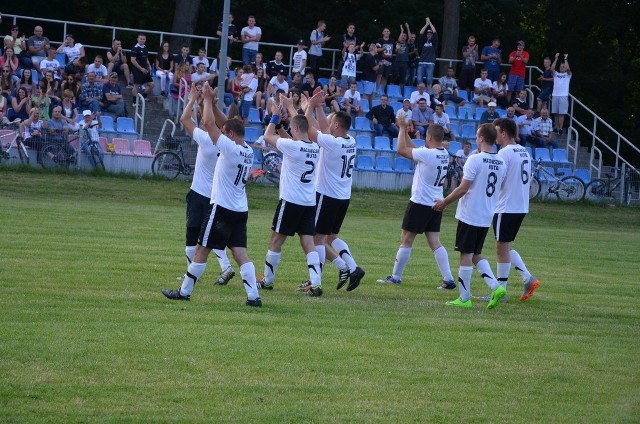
point(560, 105)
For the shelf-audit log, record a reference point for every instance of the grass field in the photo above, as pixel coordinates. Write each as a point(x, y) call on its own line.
point(86, 335)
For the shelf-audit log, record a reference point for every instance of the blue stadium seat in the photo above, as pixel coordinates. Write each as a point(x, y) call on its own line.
point(396, 106)
point(543, 154)
point(363, 125)
point(463, 94)
point(322, 81)
point(479, 112)
point(403, 165)
point(451, 111)
point(364, 162)
point(381, 142)
point(455, 128)
point(375, 102)
point(583, 174)
point(393, 91)
point(468, 131)
point(501, 113)
point(62, 59)
point(454, 146)
point(383, 163)
point(125, 125)
point(408, 89)
point(364, 104)
point(107, 129)
point(466, 113)
point(251, 134)
point(560, 157)
point(418, 142)
point(254, 116)
point(363, 142)
point(563, 172)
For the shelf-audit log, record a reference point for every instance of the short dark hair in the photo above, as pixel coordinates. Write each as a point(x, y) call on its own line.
point(301, 122)
point(343, 119)
point(436, 131)
point(234, 125)
point(507, 125)
point(488, 133)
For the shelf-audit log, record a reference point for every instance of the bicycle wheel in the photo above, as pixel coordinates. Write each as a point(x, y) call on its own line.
point(597, 191)
point(22, 151)
point(451, 181)
point(570, 189)
point(97, 158)
point(53, 156)
point(534, 188)
point(166, 164)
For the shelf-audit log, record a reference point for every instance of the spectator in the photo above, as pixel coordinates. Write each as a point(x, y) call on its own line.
point(299, 59)
point(51, 64)
point(248, 91)
point(215, 67)
point(463, 154)
point(201, 58)
point(428, 43)
point(420, 93)
point(276, 66)
point(250, 37)
point(370, 73)
point(278, 83)
point(489, 115)
point(483, 89)
point(520, 103)
point(318, 39)
point(500, 90)
point(450, 88)
point(141, 68)
point(560, 95)
point(76, 68)
point(118, 62)
point(3, 110)
point(525, 127)
point(200, 76)
point(32, 132)
point(10, 60)
point(331, 94)
point(260, 96)
point(349, 59)
point(383, 118)
point(351, 101)
point(310, 85)
point(295, 85)
point(442, 119)
point(6, 83)
point(422, 115)
point(385, 46)
point(182, 57)
point(91, 93)
point(71, 49)
point(232, 32)
point(40, 101)
point(436, 96)
point(72, 84)
point(183, 71)
point(518, 60)
point(275, 100)
point(492, 58)
point(51, 86)
point(164, 67)
point(401, 63)
point(543, 131)
point(350, 37)
point(468, 72)
point(91, 126)
point(37, 45)
point(546, 87)
point(26, 81)
point(97, 68)
point(260, 63)
point(112, 100)
point(19, 46)
point(69, 109)
point(236, 85)
point(511, 113)
point(57, 130)
point(406, 114)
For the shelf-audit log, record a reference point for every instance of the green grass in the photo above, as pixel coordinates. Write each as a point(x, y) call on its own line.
point(86, 336)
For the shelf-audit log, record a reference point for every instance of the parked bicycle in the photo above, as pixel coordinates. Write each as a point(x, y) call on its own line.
point(13, 141)
point(567, 189)
point(170, 162)
point(58, 153)
point(608, 188)
point(454, 174)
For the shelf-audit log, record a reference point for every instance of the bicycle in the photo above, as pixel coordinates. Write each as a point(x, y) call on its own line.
point(57, 153)
point(454, 174)
point(568, 189)
point(17, 142)
point(170, 162)
point(603, 189)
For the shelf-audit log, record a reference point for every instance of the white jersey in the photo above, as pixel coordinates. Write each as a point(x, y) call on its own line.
point(298, 175)
point(298, 57)
point(349, 67)
point(100, 71)
point(561, 82)
point(486, 171)
point(72, 52)
point(335, 167)
point(514, 196)
point(206, 160)
point(485, 86)
point(355, 97)
point(443, 120)
point(230, 175)
point(431, 170)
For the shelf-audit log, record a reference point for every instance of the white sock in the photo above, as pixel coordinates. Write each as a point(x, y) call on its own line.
point(343, 251)
point(402, 258)
point(189, 251)
point(194, 272)
point(223, 259)
point(271, 266)
point(503, 273)
point(442, 258)
point(248, 273)
point(484, 269)
point(518, 264)
point(313, 262)
point(464, 282)
point(322, 255)
point(340, 264)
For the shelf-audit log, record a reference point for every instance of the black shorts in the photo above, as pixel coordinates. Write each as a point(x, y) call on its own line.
point(197, 208)
point(330, 213)
point(291, 218)
point(385, 70)
point(141, 78)
point(223, 228)
point(470, 239)
point(467, 78)
point(419, 219)
point(506, 225)
point(400, 71)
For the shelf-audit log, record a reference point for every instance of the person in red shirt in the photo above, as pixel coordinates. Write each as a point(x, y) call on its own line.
point(518, 60)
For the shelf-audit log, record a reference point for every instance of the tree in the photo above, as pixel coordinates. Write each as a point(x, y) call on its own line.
point(184, 21)
point(450, 37)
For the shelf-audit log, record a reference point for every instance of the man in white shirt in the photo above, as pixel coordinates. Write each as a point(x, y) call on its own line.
point(200, 76)
point(483, 89)
point(99, 69)
point(299, 59)
point(512, 207)
point(277, 83)
point(478, 192)
point(442, 119)
point(560, 95)
point(296, 209)
point(250, 37)
point(420, 93)
point(351, 102)
point(226, 222)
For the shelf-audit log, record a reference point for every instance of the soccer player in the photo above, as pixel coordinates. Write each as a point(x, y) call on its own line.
point(226, 222)
point(297, 206)
point(333, 188)
point(198, 199)
point(478, 192)
point(420, 217)
point(512, 207)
